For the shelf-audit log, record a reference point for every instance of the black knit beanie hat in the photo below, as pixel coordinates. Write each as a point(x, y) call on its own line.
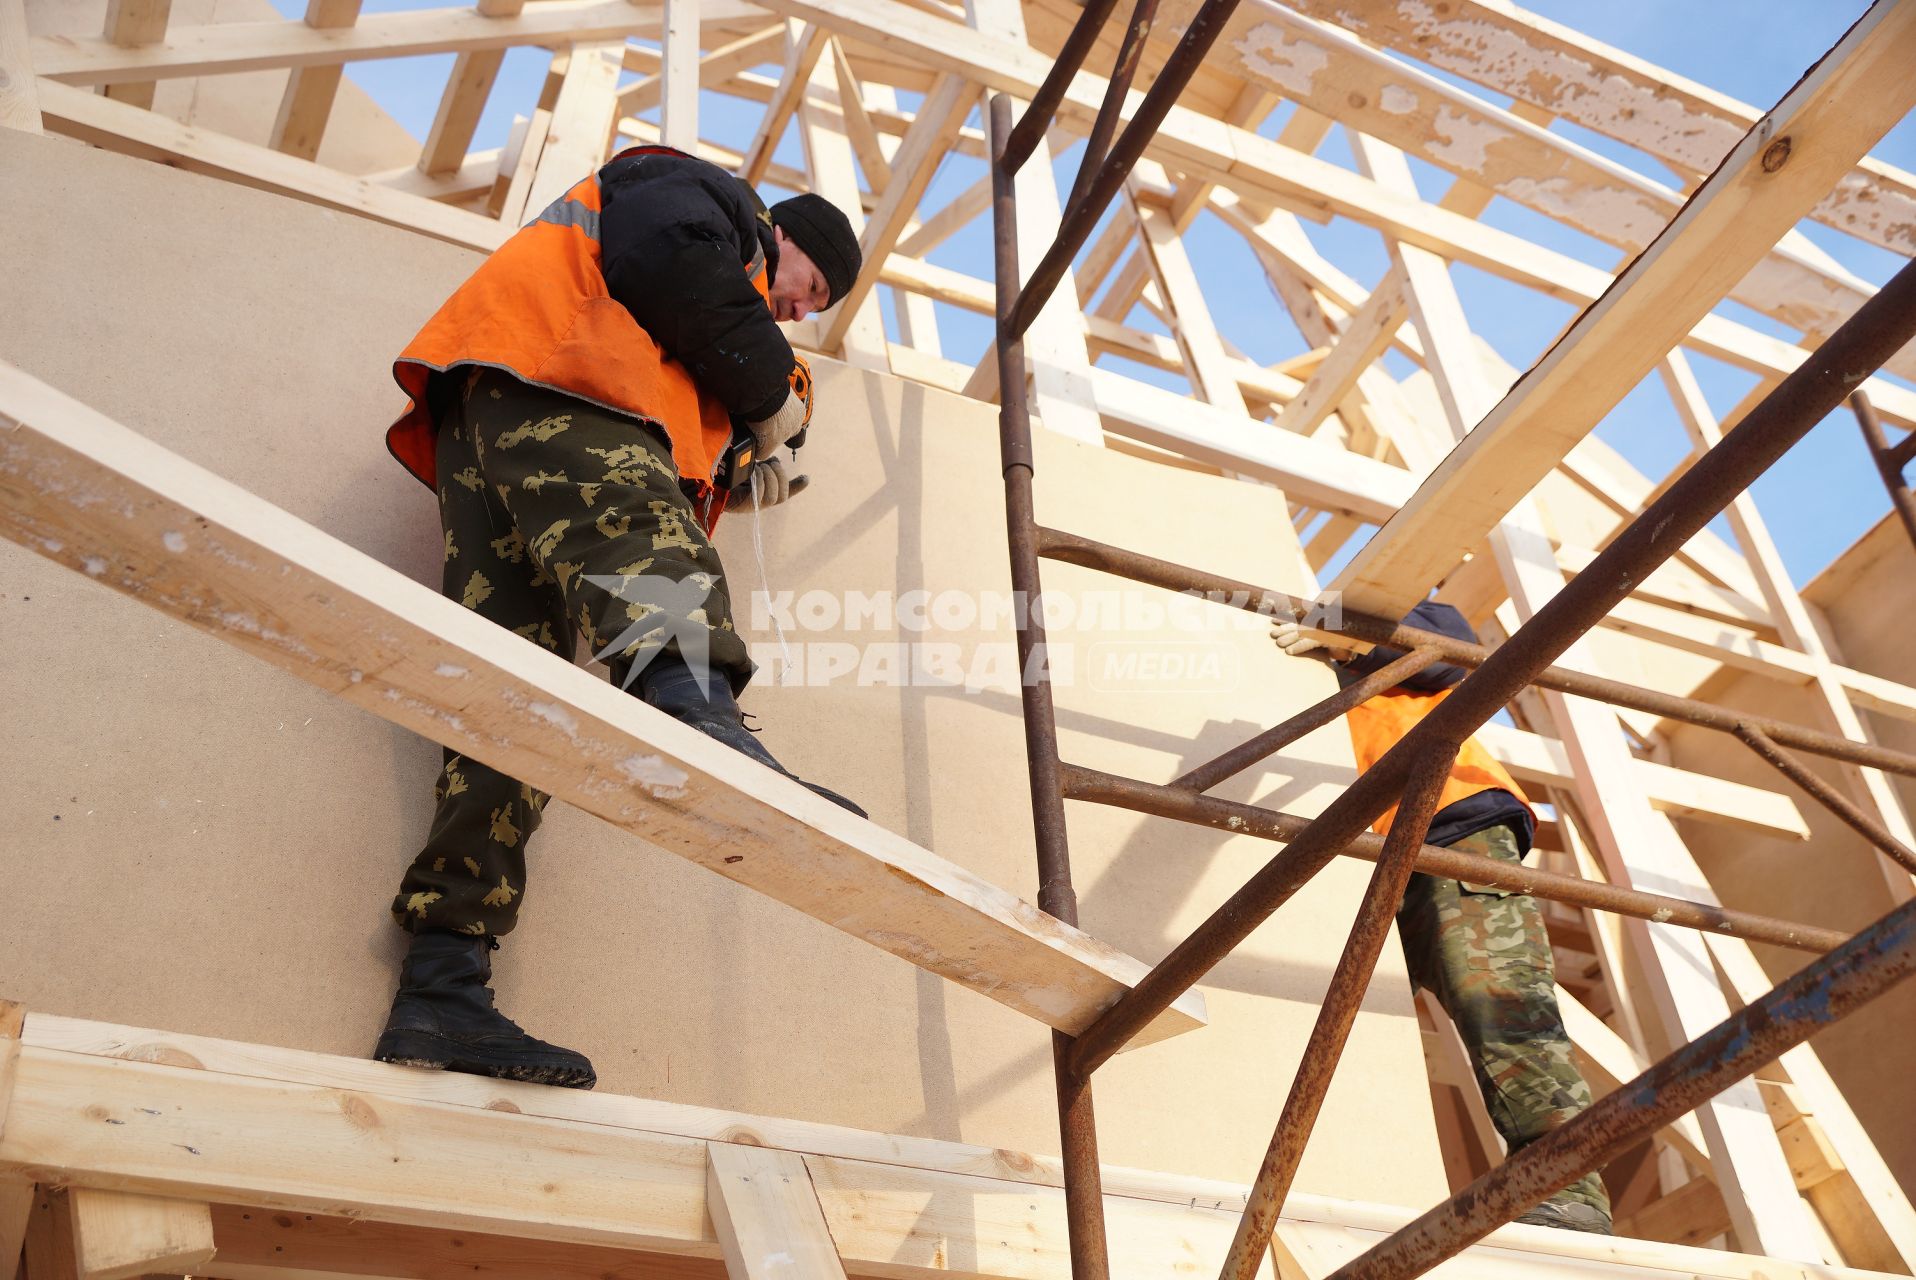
point(823, 232)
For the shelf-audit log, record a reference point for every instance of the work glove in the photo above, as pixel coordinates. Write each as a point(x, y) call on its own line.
point(773, 486)
point(1292, 639)
point(791, 417)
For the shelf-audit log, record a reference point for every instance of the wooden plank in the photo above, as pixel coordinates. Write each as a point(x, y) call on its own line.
point(460, 107)
point(118, 1236)
point(308, 100)
point(1571, 75)
point(859, 129)
point(225, 47)
point(804, 45)
point(1692, 1214)
point(19, 97)
point(136, 22)
point(1361, 344)
point(1205, 361)
point(349, 624)
point(679, 77)
point(1539, 758)
point(16, 1193)
point(1608, 1061)
point(120, 127)
point(1764, 186)
point(1307, 469)
point(716, 68)
point(49, 1248)
point(582, 117)
point(833, 173)
point(940, 116)
point(767, 1215)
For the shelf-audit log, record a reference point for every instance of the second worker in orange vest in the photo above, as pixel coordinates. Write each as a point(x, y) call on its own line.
point(1482, 951)
point(585, 406)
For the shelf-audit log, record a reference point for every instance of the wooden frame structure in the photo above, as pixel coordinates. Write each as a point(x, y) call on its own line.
point(1781, 1167)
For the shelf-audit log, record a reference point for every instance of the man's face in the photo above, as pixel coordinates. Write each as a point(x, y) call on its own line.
point(799, 289)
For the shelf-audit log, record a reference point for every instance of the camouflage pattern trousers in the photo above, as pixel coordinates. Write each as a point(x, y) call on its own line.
point(1485, 955)
point(561, 519)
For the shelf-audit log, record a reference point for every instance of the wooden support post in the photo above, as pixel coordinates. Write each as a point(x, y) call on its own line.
point(135, 22)
point(310, 91)
point(679, 77)
point(1362, 343)
point(940, 117)
point(19, 99)
point(1197, 336)
point(582, 118)
point(767, 1215)
point(834, 175)
point(119, 1236)
point(717, 68)
point(464, 100)
point(804, 45)
point(859, 129)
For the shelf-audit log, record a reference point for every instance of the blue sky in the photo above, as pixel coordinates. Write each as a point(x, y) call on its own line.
point(1817, 501)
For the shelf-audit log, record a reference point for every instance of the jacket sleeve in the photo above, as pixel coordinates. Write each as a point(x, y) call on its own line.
point(1435, 678)
point(674, 245)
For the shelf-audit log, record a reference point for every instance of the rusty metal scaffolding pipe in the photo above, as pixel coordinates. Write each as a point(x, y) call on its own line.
point(1269, 824)
point(1877, 330)
point(1334, 1017)
point(1078, 220)
point(1822, 993)
point(1077, 1126)
point(1889, 459)
point(1123, 70)
point(1037, 116)
point(1072, 549)
point(1279, 736)
point(1826, 795)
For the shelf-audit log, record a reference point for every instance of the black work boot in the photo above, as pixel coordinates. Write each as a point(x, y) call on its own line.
point(443, 1017)
point(705, 701)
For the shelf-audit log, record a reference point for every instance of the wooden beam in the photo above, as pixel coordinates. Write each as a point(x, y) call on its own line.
point(49, 1248)
point(716, 68)
point(349, 624)
point(135, 22)
point(1205, 361)
point(225, 47)
point(1565, 72)
point(1774, 176)
point(16, 1192)
point(19, 98)
point(308, 99)
point(120, 1236)
point(832, 171)
point(939, 119)
point(1609, 1062)
point(582, 118)
point(119, 127)
point(804, 45)
point(1361, 345)
point(1692, 1214)
point(859, 129)
point(679, 77)
point(767, 1215)
point(464, 100)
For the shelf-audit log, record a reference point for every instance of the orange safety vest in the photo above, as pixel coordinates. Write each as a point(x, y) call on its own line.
point(1381, 723)
point(539, 309)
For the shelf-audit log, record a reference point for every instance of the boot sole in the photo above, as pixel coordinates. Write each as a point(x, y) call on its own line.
point(424, 1049)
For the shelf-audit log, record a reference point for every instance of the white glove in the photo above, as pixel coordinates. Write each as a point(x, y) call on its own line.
point(773, 486)
point(1293, 640)
point(788, 421)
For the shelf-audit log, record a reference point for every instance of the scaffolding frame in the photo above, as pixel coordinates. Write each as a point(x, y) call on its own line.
point(1412, 773)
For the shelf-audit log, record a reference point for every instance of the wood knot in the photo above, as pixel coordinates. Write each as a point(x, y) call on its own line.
point(358, 1111)
point(740, 1136)
point(1776, 155)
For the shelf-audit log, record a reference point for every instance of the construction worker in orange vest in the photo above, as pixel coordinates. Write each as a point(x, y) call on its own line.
point(585, 406)
point(1483, 952)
